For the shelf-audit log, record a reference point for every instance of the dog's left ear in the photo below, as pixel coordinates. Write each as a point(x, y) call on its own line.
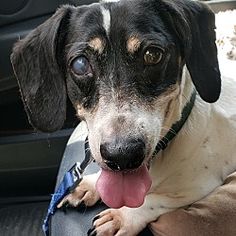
point(194, 25)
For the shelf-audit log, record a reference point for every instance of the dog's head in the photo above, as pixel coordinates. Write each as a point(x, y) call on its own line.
point(121, 65)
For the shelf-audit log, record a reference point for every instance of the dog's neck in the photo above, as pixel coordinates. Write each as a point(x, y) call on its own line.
point(186, 89)
point(181, 110)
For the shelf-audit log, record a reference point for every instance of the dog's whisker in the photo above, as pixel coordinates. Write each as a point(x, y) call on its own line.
point(162, 142)
point(184, 96)
point(169, 130)
point(159, 147)
point(165, 138)
point(172, 131)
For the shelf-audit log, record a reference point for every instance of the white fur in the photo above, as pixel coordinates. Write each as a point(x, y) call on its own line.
point(106, 19)
point(196, 161)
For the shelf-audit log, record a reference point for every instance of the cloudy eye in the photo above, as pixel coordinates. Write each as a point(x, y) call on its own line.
point(153, 55)
point(81, 66)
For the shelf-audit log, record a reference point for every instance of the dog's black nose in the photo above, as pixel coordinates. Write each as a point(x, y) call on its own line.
point(123, 154)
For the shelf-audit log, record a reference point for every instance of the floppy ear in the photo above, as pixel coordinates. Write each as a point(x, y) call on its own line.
point(194, 25)
point(38, 62)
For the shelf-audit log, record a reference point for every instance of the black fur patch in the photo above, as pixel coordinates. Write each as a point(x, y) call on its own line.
point(183, 29)
point(116, 68)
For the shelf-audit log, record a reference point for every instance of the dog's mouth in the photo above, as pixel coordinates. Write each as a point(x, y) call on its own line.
point(124, 188)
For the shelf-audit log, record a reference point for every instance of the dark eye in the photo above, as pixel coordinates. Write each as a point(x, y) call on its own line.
point(81, 66)
point(153, 55)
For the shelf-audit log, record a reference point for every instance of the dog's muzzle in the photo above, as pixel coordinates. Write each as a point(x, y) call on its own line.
point(120, 154)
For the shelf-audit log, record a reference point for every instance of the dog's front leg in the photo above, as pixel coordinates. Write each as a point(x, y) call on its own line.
point(127, 221)
point(85, 193)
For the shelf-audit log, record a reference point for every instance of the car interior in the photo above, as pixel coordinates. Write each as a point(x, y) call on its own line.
point(29, 159)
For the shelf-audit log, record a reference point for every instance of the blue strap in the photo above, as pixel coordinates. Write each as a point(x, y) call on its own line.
point(70, 180)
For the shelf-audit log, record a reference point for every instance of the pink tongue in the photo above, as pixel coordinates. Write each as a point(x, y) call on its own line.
point(119, 189)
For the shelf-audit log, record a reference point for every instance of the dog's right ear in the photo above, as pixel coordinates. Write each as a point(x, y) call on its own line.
point(38, 62)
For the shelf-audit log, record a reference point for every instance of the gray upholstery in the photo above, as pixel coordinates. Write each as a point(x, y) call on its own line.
point(22, 219)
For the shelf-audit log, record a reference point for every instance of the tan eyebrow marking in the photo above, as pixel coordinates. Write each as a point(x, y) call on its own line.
point(133, 44)
point(97, 44)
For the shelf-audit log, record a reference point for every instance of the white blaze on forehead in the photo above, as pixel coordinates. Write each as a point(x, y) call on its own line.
point(106, 19)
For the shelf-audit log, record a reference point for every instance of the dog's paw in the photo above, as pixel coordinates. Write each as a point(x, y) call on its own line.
point(84, 194)
point(113, 222)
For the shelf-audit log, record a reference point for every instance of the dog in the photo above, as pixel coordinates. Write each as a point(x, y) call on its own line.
point(133, 69)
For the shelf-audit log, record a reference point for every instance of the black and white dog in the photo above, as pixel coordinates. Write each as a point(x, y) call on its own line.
point(132, 68)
